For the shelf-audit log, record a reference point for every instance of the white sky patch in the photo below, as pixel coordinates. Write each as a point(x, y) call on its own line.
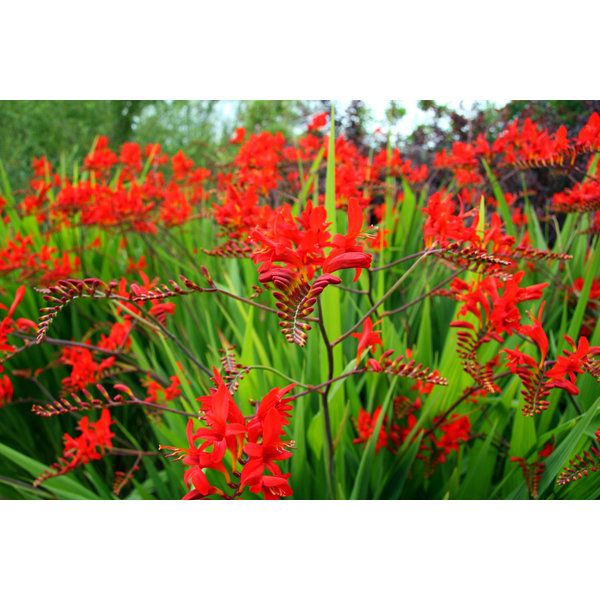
point(415, 116)
point(412, 119)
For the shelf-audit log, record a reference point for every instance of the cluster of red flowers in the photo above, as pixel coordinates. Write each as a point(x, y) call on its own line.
point(537, 380)
point(528, 144)
point(256, 444)
point(95, 438)
point(43, 266)
point(8, 326)
point(497, 313)
point(264, 164)
point(463, 161)
point(582, 197)
point(444, 226)
point(300, 242)
point(393, 433)
point(392, 165)
point(136, 197)
point(494, 296)
point(402, 425)
point(158, 394)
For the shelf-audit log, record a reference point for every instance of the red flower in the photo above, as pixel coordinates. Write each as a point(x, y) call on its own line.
point(346, 253)
point(368, 338)
point(443, 225)
point(85, 370)
point(546, 450)
point(182, 165)
point(131, 156)
point(102, 159)
point(198, 460)
point(537, 334)
point(6, 327)
point(95, 438)
point(347, 260)
point(365, 425)
point(454, 430)
point(239, 136)
point(6, 389)
point(318, 121)
point(571, 364)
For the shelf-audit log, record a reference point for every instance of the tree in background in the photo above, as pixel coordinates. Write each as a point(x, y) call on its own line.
point(272, 115)
point(551, 114)
point(194, 126)
point(53, 127)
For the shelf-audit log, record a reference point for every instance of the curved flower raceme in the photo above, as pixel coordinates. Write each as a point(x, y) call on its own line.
point(537, 379)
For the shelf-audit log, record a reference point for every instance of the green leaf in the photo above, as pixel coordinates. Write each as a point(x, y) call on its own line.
point(558, 459)
point(311, 176)
point(480, 469)
point(502, 205)
point(360, 490)
point(64, 486)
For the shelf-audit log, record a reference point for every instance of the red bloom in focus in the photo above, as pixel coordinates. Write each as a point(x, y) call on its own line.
point(346, 252)
point(273, 486)
point(504, 315)
point(368, 338)
point(226, 430)
point(537, 334)
point(571, 364)
point(271, 416)
point(443, 225)
point(198, 460)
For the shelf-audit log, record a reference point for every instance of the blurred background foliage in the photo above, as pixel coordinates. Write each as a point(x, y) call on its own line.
point(31, 128)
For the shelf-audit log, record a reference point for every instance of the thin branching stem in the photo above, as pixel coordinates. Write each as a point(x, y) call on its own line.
point(120, 355)
point(314, 388)
point(387, 313)
point(384, 297)
point(130, 452)
point(280, 374)
point(405, 258)
point(461, 399)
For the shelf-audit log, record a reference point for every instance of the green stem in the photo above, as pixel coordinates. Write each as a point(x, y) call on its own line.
point(324, 401)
